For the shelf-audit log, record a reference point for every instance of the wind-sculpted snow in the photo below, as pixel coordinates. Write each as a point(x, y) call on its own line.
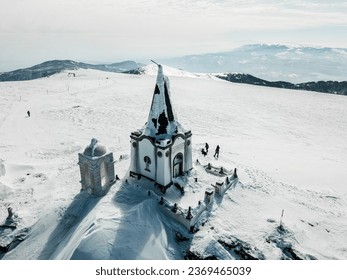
point(288, 147)
point(138, 233)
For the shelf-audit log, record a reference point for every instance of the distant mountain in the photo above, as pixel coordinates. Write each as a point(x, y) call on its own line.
point(320, 86)
point(271, 62)
point(51, 67)
point(333, 87)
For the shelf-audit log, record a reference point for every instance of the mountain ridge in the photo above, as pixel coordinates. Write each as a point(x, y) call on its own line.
point(257, 54)
point(51, 67)
point(295, 64)
point(333, 87)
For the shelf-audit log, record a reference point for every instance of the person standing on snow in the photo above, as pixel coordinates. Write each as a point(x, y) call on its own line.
point(28, 114)
point(216, 153)
point(206, 147)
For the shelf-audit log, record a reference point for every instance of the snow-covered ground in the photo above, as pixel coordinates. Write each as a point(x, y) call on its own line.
point(289, 148)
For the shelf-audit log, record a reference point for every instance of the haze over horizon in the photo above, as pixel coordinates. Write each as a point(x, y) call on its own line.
point(108, 31)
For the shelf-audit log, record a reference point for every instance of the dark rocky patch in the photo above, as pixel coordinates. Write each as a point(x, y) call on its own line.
point(290, 253)
point(190, 255)
point(10, 235)
point(179, 237)
point(240, 249)
point(332, 87)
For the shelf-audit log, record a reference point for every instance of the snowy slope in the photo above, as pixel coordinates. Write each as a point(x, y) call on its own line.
point(289, 148)
point(152, 70)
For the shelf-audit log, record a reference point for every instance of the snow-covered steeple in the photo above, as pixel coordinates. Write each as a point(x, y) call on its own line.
point(162, 122)
point(161, 150)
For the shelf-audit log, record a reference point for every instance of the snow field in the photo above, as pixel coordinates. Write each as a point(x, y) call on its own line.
point(288, 146)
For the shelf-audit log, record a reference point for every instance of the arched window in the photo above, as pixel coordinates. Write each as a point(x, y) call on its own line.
point(147, 160)
point(178, 159)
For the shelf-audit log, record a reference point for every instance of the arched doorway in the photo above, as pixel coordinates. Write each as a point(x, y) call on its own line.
point(178, 165)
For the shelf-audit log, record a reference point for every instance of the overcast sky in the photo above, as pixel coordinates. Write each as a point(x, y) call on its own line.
point(32, 31)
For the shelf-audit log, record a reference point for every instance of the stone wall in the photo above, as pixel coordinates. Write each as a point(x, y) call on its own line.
point(222, 187)
point(182, 216)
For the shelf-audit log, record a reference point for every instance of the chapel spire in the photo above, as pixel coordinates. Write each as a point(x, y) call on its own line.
point(161, 121)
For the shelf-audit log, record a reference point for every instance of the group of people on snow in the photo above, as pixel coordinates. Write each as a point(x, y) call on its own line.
point(204, 151)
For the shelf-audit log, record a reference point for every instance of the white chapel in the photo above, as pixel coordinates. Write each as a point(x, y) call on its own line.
point(162, 149)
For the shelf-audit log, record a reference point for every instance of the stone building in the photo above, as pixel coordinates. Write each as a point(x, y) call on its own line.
point(96, 168)
point(162, 149)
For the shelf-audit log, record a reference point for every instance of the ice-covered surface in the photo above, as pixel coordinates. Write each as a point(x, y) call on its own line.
point(162, 121)
point(289, 148)
point(94, 149)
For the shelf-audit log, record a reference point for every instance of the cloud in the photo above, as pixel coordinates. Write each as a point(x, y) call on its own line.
point(121, 15)
point(170, 27)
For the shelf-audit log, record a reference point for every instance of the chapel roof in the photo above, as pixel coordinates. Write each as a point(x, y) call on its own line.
point(162, 122)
